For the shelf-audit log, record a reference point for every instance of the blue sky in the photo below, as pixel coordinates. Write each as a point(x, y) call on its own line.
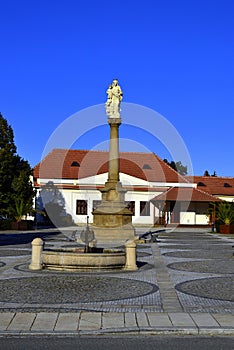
point(175, 57)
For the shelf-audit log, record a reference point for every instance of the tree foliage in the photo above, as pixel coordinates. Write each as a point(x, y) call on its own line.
point(177, 166)
point(225, 212)
point(16, 190)
point(206, 173)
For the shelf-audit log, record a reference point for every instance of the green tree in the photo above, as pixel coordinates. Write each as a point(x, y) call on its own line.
point(177, 166)
point(182, 169)
point(7, 163)
point(16, 189)
point(206, 173)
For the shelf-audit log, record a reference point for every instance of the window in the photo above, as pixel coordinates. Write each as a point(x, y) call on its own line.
point(146, 166)
point(144, 208)
point(201, 184)
point(81, 207)
point(96, 203)
point(75, 164)
point(226, 184)
point(131, 206)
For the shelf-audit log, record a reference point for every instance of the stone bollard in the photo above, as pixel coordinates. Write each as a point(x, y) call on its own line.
point(37, 247)
point(130, 250)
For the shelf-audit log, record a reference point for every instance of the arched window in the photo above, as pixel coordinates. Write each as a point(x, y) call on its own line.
point(201, 184)
point(75, 163)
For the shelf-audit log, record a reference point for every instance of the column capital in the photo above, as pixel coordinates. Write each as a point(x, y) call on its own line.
point(114, 121)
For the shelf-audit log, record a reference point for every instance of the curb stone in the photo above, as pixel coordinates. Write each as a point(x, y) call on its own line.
point(112, 331)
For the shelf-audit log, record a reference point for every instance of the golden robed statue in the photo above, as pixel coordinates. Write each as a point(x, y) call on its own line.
point(114, 97)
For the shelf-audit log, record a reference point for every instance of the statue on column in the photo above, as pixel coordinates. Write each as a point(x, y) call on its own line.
point(114, 97)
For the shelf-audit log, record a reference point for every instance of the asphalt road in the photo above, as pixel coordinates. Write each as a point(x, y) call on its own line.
point(114, 343)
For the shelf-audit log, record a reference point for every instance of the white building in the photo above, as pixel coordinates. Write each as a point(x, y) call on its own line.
point(156, 193)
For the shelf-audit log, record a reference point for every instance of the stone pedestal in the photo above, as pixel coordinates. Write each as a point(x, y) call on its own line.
point(130, 250)
point(112, 221)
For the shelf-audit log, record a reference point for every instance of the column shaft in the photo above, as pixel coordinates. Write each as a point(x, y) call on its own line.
point(113, 175)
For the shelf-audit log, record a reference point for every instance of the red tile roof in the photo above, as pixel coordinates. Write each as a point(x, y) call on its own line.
point(147, 166)
point(215, 185)
point(185, 195)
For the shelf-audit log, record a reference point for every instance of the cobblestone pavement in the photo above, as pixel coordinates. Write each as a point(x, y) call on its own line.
point(219, 288)
point(183, 272)
point(76, 289)
point(201, 266)
point(184, 284)
point(24, 290)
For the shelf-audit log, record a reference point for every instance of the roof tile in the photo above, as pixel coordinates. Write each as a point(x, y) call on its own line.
point(185, 194)
point(57, 165)
point(215, 185)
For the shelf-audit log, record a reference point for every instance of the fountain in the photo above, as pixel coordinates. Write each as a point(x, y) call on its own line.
point(76, 259)
point(112, 220)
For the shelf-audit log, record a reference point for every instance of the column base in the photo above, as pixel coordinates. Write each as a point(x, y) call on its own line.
point(113, 236)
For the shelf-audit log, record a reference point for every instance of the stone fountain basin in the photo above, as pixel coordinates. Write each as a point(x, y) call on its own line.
point(75, 259)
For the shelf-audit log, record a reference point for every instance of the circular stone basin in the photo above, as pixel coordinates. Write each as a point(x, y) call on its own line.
point(71, 289)
point(75, 259)
point(201, 254)
point(205, 266)
point(219, 288)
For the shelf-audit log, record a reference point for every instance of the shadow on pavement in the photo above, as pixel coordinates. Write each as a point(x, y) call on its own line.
point(25, 238)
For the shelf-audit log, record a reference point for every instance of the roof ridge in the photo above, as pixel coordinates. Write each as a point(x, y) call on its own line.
point(214, 177)
point(149, 153)
point(101, 151)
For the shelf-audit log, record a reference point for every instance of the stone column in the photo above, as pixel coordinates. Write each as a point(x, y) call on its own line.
point(113, 175)
point(37, 247)
point(112, 220)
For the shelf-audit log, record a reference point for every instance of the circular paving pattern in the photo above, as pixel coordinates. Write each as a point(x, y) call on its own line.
point(71, 289)
point(202, 254)
point(189, 237)
point(193, 246)
point(143, 254)
point(220, 288)
point(142, 265)
point(15, 246)
point(191, 241)
point(176, 246)
point(142, 247)
point(14, 252)
point(205, 266)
